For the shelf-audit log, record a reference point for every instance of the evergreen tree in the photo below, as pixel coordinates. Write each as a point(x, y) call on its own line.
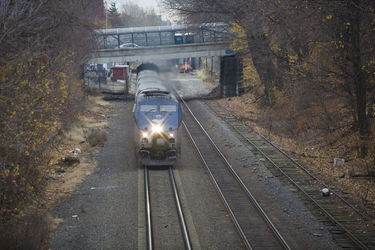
point(114, 16)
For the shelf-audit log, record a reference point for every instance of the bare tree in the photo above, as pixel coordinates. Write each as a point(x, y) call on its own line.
point(325, 45)
point(134, 15)
point(251, 16)
point(350, 29)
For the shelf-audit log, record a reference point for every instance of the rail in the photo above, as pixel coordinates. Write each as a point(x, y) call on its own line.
point(149, 224)
point(294, 182)
point(239, 201)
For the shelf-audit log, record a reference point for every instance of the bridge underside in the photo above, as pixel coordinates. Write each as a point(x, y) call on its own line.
point(230, 69)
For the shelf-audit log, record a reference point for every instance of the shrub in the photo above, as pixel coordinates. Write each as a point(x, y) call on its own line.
point(28, 232)
point(68, 161)
point(96, 137)
point(92, 91)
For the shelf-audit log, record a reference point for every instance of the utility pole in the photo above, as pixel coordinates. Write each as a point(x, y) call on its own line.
point(106, 15)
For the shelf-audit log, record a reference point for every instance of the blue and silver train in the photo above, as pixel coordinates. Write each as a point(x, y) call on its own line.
point(157, 117)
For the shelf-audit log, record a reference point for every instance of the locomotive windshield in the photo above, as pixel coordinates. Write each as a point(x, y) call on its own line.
point(154, 108)
point(149, 108)
point(168, 108)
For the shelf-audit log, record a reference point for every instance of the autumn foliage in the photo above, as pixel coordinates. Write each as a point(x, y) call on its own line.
point(42, 45)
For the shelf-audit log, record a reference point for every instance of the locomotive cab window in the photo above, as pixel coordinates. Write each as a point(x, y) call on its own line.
point(168, 108)
point(149, 108)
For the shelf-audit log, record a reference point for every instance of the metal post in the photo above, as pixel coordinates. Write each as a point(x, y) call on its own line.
point(105, 42)
point(127, 84)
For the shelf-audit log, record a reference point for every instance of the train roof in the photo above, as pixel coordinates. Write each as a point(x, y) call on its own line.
point(152, 93)
point(147, 74)
point(149, 84)
point(152, 88)
point(147, 66)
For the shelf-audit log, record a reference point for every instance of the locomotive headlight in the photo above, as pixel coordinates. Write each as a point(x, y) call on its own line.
point(156, 128)
point(144, 137)
point(171, 138)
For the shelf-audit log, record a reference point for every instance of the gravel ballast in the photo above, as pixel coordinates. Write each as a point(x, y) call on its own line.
point(105, 211)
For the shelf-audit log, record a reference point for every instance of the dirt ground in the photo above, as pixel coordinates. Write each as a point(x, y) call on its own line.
point(63, 180)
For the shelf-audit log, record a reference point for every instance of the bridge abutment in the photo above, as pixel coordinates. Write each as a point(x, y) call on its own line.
point(231, 76)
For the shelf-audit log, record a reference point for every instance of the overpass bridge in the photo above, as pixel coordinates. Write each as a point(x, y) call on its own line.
point(162, 42)
point(170, 42)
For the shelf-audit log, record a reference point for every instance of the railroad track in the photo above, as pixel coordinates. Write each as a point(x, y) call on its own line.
point(254, 226)
point(162, 221)
point(341, 217)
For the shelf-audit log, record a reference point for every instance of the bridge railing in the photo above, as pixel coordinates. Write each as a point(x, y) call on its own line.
point(163, 35)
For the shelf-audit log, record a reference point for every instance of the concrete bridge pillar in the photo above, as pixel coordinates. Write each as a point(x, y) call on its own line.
point(230, 76)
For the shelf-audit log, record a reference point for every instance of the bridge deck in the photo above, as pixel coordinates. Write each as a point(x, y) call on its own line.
point(151, 53)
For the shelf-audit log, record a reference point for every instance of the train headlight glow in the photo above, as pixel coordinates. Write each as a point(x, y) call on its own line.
point(171, 138)
point(156, 128)
point(144, 137)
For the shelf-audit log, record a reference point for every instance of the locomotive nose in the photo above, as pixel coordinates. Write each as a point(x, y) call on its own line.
point(160, 142)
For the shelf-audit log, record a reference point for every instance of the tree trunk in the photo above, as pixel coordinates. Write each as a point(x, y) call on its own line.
point(358, 77)
point(263, 64)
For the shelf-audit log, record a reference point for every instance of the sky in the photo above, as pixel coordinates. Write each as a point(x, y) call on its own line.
point(142, 3)
point(146, 3)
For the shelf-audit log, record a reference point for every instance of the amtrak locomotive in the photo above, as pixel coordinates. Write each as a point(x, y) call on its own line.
point(157, 117)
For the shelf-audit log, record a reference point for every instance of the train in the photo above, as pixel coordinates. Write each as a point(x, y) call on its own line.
point(157, 118)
